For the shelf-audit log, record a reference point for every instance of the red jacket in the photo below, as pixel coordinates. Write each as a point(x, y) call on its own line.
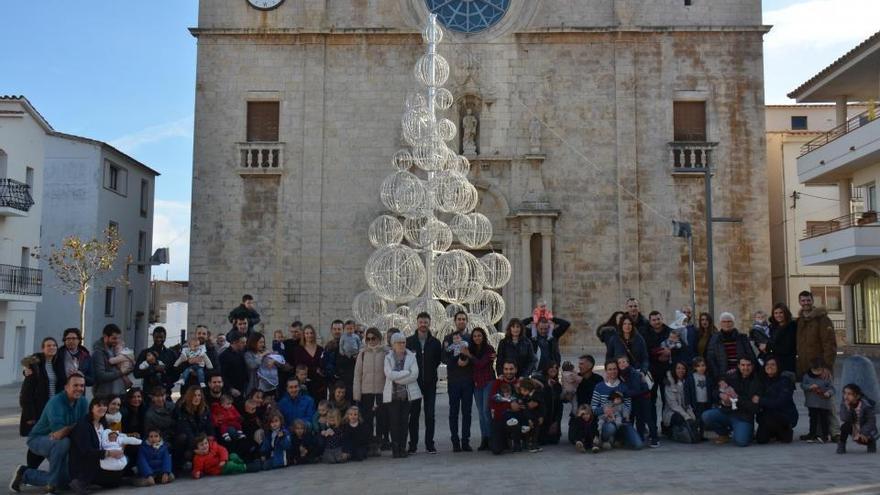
point(499, 408)
point(224, 417)
point(209, 464)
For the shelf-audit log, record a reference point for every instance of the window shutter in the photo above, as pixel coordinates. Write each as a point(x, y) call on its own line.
point(689, 120)
point(262, 121)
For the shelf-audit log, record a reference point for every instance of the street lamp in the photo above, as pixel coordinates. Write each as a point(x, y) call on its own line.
point(161, 256)
point(683, 229)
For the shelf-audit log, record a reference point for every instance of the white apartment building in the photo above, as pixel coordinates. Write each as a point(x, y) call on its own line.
point(22, 136)
point(91, 186)
point(848, 157)
point(796, 208)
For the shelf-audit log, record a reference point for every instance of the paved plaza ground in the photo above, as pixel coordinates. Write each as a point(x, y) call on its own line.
point(798, 468)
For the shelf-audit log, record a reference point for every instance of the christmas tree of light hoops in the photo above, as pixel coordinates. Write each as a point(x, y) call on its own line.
point(431, 203)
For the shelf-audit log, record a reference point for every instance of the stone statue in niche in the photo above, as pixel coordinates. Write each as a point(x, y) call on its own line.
point(469, 133)
point(535, 135)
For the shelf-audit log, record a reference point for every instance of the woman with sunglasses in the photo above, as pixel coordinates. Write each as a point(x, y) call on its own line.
point(369, 382)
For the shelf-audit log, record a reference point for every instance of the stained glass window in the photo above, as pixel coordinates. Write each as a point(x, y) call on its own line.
point(468, 16)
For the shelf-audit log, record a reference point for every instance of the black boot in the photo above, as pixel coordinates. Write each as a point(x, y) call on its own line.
point(872, 447)
point(466, 445)
point(34, 460)
point(456, 445)
point(395, 450)
point(484, 444)
point(841, 446)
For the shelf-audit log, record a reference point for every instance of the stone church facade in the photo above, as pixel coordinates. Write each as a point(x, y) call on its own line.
point(590, 118)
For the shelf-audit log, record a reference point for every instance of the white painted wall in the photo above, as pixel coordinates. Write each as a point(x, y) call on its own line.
point(175, 321)
point(81, 205)
point(21, 139)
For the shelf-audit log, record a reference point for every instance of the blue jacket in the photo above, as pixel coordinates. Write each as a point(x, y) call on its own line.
point(637, 350)
point(778, 397)
point(691, 339)
point(633, 382)
point(59, 413)
point(152, 461)
point(300, 407)
point(275, 452)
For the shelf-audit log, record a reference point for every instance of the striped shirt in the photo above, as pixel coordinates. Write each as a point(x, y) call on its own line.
point(732, 354)
point(50, 374)
point(601, 393)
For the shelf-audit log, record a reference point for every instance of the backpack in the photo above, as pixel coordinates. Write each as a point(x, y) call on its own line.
point(686, 432)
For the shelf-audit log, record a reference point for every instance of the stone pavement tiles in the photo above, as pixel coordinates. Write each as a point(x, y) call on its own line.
point(798, 468)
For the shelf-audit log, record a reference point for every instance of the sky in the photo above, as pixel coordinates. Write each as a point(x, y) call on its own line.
point(124, 72)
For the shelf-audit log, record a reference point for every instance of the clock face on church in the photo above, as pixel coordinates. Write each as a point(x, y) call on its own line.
point(468, 16)
point(265, 4)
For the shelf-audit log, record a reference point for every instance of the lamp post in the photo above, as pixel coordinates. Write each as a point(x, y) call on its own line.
point(683, 229)
point(160, 257)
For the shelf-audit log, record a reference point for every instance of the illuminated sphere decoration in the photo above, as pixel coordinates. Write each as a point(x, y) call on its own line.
point(497, 270)
point(367, 306)
point(385, 230)
point(396, 273)
point(430, 205)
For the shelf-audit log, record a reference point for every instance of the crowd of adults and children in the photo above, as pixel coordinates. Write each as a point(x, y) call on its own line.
point(247, 404)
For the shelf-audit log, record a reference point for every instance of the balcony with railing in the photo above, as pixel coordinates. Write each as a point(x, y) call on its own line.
point(15, 198)
point(690, 157)
point(846, 239)
point(838, 153)
point(20, 283)
point(260, 158)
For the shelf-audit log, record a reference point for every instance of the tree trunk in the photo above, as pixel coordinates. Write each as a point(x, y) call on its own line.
point(83, 294)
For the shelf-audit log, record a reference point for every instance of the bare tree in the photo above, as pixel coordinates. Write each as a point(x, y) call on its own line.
point(81, 265)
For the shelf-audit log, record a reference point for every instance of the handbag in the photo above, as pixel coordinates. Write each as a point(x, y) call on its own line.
point(686, 432)
point(649, 380)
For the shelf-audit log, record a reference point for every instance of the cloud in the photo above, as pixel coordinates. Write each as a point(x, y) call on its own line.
point(821, 23)
point(171, 230)
point(177, 128)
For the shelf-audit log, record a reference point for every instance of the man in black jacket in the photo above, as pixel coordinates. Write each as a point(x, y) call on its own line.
point(632, 309)
point(546, 343)
point(428, 351)
point(233, 367)
point(246, 310)
point(736, 415)
point(588, 381)
point(165, 355)
point(240, 326)
point(214, 390)
point(660, 359)
point(460, 382)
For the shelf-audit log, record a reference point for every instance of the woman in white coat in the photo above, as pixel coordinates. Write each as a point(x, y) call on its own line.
point(401, 373)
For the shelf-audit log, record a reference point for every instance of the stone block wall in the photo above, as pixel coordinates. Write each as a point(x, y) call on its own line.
point(297, 241)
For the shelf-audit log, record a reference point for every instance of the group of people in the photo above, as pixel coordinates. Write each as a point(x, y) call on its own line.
point(246, 405)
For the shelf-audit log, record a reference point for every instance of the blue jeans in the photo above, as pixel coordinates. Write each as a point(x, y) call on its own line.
point(723, 423)
point(55, 451)
point(624, 432)
point(461, 396)
point(481, 397)
point(200, 374)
